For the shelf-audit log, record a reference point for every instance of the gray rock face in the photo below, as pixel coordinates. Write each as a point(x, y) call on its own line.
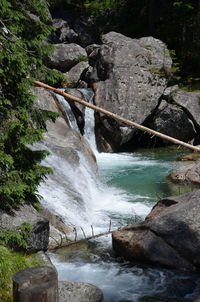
point(190, 101)
point(73, 77)
point(79, 292)
point(65, 56)
point(170, 235)
point(172, 121)
point(39, 235)
point(129, 76)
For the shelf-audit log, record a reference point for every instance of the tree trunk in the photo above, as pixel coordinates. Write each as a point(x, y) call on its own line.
point(35, 284)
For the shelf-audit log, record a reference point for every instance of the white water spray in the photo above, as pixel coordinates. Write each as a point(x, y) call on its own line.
point(74, 191)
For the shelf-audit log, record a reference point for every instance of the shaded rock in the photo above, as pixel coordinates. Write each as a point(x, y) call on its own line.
point(39, 236)
point(145, 246)
point(65, 56)
point(128, 77)
point(172, 121)
point(186, 175)
point(170, 236)
point(63, 33)
point(190, 102)
point(79, 291)
point(73, 77)
point(84, 27)
point(91, 48)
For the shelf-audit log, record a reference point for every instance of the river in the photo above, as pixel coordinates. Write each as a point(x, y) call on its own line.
point(124, 190)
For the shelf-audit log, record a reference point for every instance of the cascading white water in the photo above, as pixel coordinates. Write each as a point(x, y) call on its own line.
point(89, 132)
point(89, 200)
point(67, 111)
point(75, 192)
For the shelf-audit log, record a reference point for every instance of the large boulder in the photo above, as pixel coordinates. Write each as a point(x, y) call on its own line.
point(129, 76)
point(172, 121)
point(170, 235)
point(65, 56)
point(190, 102)
point(38, 237)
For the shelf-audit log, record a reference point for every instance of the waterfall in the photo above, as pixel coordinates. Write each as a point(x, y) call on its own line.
point(89, 132)
point(67, 111)
point(75, 192)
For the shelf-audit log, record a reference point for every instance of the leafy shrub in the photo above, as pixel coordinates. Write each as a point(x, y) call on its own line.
point(16, 239)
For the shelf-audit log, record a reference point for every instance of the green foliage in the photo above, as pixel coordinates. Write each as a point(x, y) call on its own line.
point(82, 59)
point(16, 239)
point(10, 263)
point(50, 76)
point(93, 7)
point(23, 31)
point(179, 27)
point(97, 7)
point(192, 85)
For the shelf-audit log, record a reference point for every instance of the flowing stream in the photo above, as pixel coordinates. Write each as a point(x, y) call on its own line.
point(124, 191)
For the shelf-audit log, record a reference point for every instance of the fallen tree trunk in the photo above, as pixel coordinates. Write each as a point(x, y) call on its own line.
point(67, 243)
point(119, 118)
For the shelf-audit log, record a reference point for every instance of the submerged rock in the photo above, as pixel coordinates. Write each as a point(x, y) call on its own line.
point(170, 236)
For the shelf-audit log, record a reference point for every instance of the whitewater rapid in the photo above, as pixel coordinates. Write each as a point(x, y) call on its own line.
point(122, 191)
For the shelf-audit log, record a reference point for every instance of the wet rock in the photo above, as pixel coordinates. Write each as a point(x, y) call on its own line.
point(38, 237)
point(65, 56)
point(169, 237)
point(186, 175)
point(59, 135)
point(79, 291)
point(129, 76)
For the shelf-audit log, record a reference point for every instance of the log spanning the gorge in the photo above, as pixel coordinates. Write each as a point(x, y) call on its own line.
point(119, 118)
